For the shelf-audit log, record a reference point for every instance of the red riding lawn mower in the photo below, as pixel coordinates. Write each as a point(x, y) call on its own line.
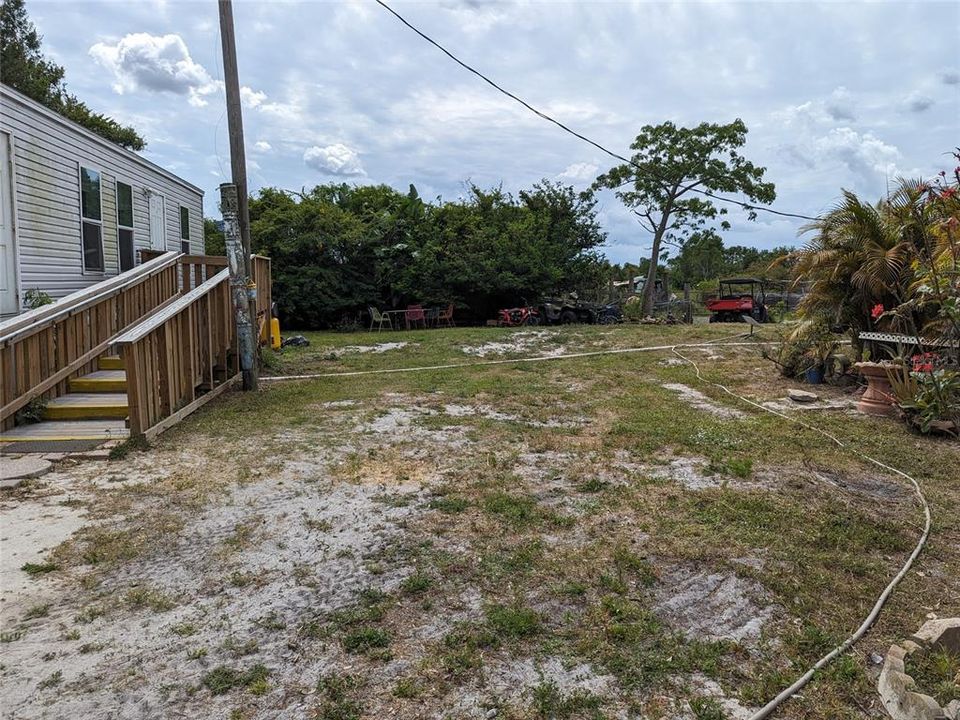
point(739, 297)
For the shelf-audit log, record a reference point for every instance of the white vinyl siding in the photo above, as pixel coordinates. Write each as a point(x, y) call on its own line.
point(47, 152)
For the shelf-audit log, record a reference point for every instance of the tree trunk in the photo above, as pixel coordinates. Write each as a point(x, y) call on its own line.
point(648, 286)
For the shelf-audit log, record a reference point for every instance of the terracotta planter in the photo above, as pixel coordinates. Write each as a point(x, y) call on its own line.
point(878, 398)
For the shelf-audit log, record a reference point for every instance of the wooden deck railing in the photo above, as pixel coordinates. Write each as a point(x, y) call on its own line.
point(195, 269)
point(180, 358)
point(260, 269)
point(42, 349)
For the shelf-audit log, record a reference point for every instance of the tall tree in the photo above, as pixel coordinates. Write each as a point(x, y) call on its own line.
point(671, 166)
point(24, 68)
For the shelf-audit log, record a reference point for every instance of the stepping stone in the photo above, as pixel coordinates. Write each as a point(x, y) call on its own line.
point(14, 471)
point(802, 396)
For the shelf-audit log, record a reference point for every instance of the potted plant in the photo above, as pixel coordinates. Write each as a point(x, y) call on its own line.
point(818, 359)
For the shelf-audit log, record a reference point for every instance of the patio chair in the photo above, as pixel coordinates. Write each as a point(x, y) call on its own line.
point(378, 318)
point(413, 315)
point(445, 318)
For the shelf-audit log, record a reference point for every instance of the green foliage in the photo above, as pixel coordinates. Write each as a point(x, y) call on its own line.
point(703, 257)
point(338, 249)
point(24, 68)
point(37, 569)
point(33, 412)
point(214, 241)
point(668, 166)
point(35, 298)
point(934, 401)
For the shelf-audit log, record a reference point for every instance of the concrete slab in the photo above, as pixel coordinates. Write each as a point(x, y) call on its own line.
point(14, 470)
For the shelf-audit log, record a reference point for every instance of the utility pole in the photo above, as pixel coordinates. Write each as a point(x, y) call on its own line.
point(239, 284)
point(238, 168)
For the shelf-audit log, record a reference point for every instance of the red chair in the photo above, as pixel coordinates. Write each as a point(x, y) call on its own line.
point(415, 314)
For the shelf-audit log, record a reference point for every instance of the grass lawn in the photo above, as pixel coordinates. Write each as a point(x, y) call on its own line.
point(578, 538)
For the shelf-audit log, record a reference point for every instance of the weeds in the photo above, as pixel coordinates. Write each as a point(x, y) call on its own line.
point(338, 698)
point(223, 679)
point(134, 443)
point(37, 569)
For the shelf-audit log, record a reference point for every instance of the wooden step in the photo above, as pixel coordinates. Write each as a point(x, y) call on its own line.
point(53, 430)
point(110, 362)
point(87, 406)
point(112, 381)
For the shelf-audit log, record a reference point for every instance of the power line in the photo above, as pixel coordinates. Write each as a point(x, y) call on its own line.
point(579, 136)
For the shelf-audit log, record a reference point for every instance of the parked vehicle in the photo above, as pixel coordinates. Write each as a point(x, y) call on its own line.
point(739, 297)
point(610, 314)
point(518, 316)
point(567, 310)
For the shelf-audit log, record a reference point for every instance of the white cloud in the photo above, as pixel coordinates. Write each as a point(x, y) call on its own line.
point(580, 171)
point(335, 159)
point(159, 63)
point(839, 105)
point(866, 155)
point(252, 98)
point(262, 146)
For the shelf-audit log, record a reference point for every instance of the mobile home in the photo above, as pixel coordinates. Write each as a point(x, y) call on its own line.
point(76, 209)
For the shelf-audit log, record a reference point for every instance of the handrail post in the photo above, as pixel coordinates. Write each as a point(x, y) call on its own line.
point(239, 284)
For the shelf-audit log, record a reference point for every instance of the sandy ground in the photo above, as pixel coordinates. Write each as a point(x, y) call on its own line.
point(249, 571)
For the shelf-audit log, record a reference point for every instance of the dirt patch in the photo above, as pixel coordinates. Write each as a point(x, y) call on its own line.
point(700, 401)
point(512, 683)
point(235, 588)
point(31, 529)
point(375, 349)
point(712, 606)
point(524, 341)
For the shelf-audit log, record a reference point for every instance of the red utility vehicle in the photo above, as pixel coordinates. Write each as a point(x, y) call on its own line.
point(739, 297)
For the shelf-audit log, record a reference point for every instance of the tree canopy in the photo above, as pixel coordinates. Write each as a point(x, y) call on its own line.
point(24, 68)
point(337, 248)
point(670, 169)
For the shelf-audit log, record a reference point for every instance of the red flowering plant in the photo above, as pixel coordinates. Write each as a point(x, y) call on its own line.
point(928, 387)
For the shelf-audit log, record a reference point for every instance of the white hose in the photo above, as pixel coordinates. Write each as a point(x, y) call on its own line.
point(789, 692)
point(767, 709)
point(479, 363)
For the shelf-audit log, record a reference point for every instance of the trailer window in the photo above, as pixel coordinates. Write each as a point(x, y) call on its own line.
point(184, 230)
point(125, 225)
point(91, 220)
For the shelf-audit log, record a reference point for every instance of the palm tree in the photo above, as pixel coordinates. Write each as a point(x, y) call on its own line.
point(861, 256)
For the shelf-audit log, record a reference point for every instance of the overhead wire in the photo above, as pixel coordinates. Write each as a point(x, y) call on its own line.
point(580, 136)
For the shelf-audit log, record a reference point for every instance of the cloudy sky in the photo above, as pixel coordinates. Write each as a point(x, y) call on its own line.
point(840, 94)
